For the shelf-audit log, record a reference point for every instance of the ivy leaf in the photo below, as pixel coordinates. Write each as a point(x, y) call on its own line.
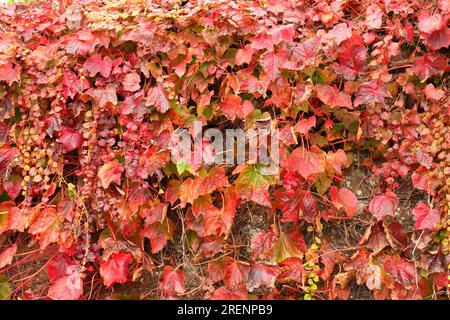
point(400, 271)
point(73, 85)
point(433, 30)
point(70, 139)
point(422, 180)
point(290, 244)
point(262, 244)
point(68, 286)
point(335, 160)
point(156, 97)
point(383, 205)
point(344, 198)
point(104, 96)
point(219, 221)
point(9, 73)
point(304, 125)
point(12, 185)
point(374, 17)
point(115, 269)
point(171, 282)
point(430, 23)
point(351, 57)
point(202, 185)
point(296, 204)
point(339, 33)
point(65, 279)
point(426, 217)
point(223, 293)
point(159, 233)
point(7, 255)
point(432, 93)
point(261, 275)
point(97, 64)
point(307, 162)
point(233, 106)
point(374, 278)
point(306, 51)
point(235, 273)
point(131, 82)
point(429, 65)
point(110, 172)
point(292, 270)
point(5, 289)
point(371, 92)
point(273, 61)
point(244, 55)
point(7, 154)
point(253, 184)
point(331, 96)
point(47, 226)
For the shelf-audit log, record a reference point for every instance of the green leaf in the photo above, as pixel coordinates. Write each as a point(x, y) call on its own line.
point(253, 184)
point(182, 167)
point(290, 244)
point(5, 289)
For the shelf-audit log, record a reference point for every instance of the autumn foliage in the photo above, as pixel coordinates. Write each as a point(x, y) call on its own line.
point(91, 92)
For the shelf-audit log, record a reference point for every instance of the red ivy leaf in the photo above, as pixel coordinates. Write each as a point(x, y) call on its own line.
point(253, 184)
point(292, 270)
point(261, 275)
point(429, 65)
point(223, 293)
point(433, 30)
point(426, 217)
point(70, 139)
point(97, 64)
point(115, 269)
point(307, 163)
point(344, 198)
point(73, 84)
point(371, 92)
point(383, 205)
point(156, 97)
point(432, 93)
point(65, 279)
point(331, 96)
point(290, 244)
point(158, 234)
point(104, 96)
point(233, 106)
point(262, 244)
point(351, 57)
point(7, 154)
point(401, 271)
point(205, 184)
point(244, 55)
point(308, 50)
point(47, 225)
point(9, 73)
point(235, 273)
point(219, 221)
point(335, 160)
point(304, 125)
point(296, 204)
point(273, 61)
point(12, 185)
point(110, 172)
point(171, 282)
point(430, 23)
point(7, 255)
point(339, 33)
point(131, 82)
